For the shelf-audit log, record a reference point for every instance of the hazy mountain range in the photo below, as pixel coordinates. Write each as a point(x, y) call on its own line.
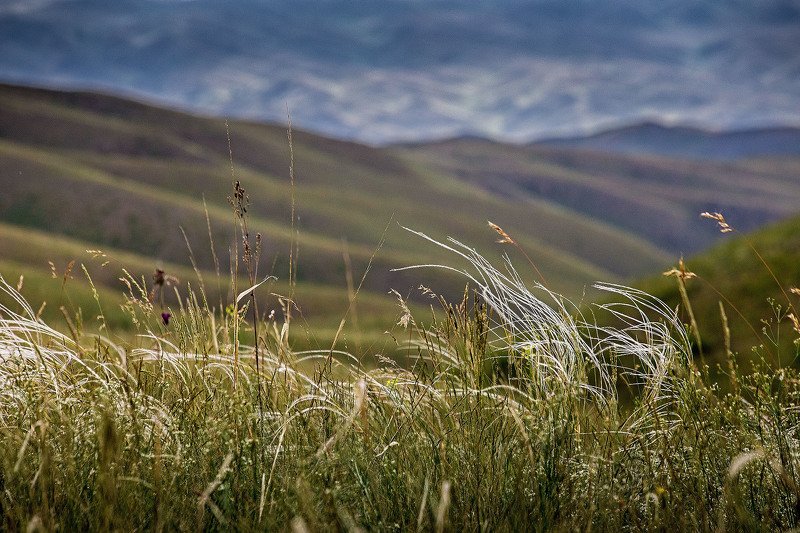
point(398, 70)
point(688, 143)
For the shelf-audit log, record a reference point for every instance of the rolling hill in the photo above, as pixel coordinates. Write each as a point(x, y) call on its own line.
point(114, 174)
point(98, 171)
point(654, 197)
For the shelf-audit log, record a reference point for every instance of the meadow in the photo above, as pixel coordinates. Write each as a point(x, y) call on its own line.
point(265, 381)
point(513, 410)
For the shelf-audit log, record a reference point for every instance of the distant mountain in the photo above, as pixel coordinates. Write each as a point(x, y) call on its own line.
point(409, 70)
point(689, 143)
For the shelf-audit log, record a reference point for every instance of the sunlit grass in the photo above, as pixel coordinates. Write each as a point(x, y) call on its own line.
point(513, 411)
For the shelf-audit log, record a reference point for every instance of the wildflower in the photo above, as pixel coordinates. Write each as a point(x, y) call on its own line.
point(160, 280)
point(165, 317)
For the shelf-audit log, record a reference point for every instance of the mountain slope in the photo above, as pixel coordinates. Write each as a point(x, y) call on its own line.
point(116, 174)
point(168, 161)
point(656, 198)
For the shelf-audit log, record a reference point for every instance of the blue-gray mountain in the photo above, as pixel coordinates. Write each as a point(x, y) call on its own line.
point(688, 143)
point(410, 70)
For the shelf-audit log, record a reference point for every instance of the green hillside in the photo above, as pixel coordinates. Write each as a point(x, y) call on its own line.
point(655, 198)
point(755, 303)
point(82, 171)
point(110, 173)
point(164, 163)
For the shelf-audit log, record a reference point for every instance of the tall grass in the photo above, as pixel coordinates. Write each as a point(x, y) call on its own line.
point(516, 412)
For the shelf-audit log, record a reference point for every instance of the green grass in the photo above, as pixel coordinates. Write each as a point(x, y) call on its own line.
point(319, 307)
point(509, 414)
point(755, 303)
point(510, 409)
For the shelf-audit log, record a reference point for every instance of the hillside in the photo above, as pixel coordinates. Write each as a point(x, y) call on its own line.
point(654, 197)
point(755, 304)
point(110, 173)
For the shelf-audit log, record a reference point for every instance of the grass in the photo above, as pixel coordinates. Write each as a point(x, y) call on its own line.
point(514, 411)
point(193, 406)
point(320, 306)
point(755, 303)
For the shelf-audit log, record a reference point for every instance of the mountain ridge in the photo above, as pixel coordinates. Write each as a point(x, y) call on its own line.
point(691, 142)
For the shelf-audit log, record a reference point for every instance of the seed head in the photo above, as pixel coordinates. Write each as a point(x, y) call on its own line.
point(681, 271)
point(505, 238)
point(795, 322)
point(724, 227)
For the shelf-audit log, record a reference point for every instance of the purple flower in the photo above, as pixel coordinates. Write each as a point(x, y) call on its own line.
point(165, 317)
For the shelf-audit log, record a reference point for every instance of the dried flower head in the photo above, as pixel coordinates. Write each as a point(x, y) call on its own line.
point(505, 238)
point(160, 280)
point(681, 271)
point(240, 200)
point(724, 227)
point(795, 322)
